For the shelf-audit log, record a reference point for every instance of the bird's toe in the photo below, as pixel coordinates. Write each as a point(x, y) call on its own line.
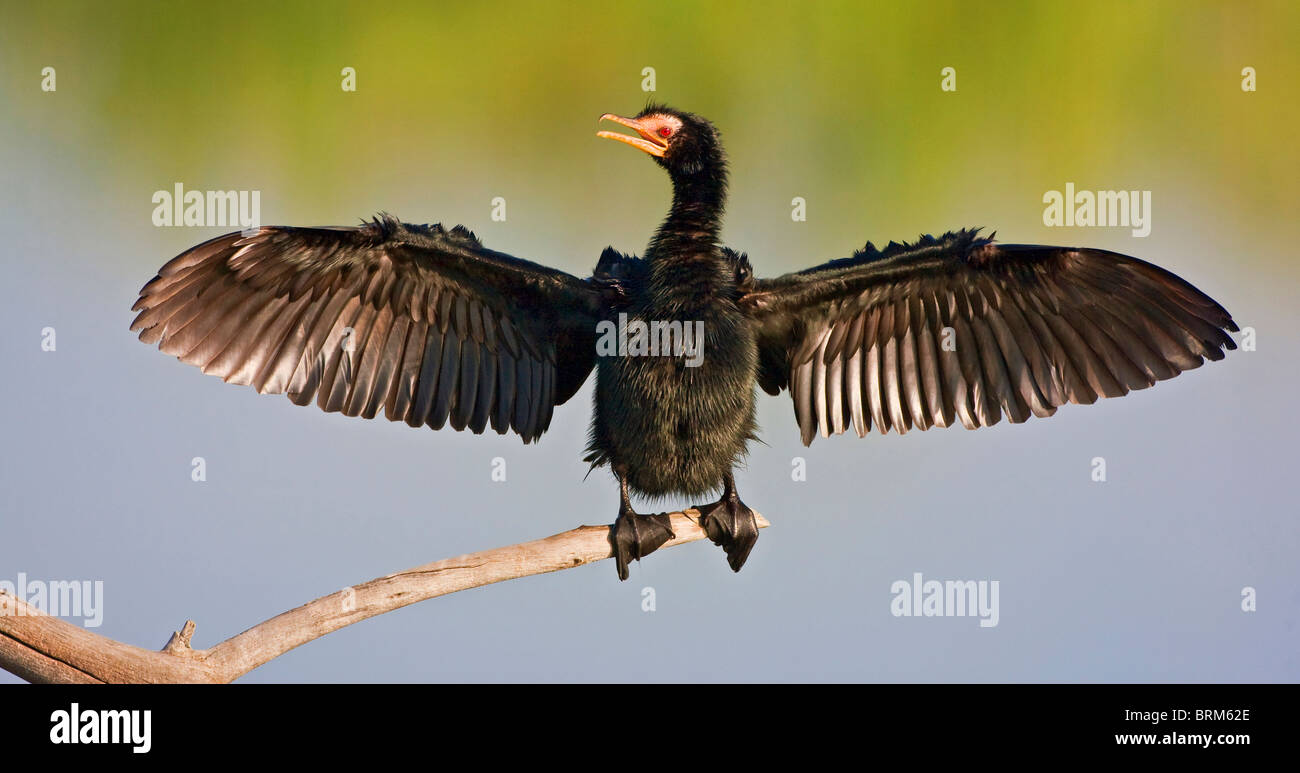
point(635, 536)
point(731, 525)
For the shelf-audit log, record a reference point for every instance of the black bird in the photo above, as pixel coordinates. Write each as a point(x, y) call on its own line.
point(433, 328)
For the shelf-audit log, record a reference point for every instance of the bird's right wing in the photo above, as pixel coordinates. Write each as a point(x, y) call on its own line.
point(424, 323)
point(961, 328)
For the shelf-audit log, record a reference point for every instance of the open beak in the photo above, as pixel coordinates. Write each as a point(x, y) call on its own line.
point(648, 141)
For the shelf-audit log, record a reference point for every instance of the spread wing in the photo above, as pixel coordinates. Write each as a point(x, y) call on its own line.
point(963, 329)
point(424, 323)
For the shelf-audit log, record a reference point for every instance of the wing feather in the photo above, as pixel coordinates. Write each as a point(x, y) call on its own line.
point(421, 322)
point(962, 329)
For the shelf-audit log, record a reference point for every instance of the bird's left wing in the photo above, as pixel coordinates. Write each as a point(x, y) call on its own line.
point(422, 322)
point(960, 328)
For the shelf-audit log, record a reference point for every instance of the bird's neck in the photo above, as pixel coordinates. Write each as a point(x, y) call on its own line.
point(689, 235)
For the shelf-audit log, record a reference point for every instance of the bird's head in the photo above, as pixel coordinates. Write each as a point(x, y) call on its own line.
point(683, 143)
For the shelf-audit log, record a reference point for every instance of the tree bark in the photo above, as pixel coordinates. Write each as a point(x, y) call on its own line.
point(45, 649)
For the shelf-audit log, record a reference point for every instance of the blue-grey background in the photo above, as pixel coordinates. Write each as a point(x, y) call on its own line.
point(1135, 579)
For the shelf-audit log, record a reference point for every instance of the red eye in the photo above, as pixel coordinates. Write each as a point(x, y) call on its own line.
point(665, 131)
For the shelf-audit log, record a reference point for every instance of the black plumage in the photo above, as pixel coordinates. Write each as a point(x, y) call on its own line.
point(432, 328)
point(424, 323)
point(1031, 328)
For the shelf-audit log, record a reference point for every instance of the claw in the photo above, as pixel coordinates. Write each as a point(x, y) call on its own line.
point(731, 525)
point(635, 536)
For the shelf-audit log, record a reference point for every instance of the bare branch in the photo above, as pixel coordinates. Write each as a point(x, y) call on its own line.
point(41, 648)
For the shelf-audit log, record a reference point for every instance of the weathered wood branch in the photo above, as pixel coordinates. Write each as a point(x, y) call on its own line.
point(41, 648)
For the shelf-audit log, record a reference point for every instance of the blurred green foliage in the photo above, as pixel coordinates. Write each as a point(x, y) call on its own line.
point(834, 101)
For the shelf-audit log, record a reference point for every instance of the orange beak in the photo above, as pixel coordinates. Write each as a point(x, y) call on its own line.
point(648, 142)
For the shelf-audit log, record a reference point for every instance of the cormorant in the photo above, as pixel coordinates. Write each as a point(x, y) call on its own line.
point(433, 328)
